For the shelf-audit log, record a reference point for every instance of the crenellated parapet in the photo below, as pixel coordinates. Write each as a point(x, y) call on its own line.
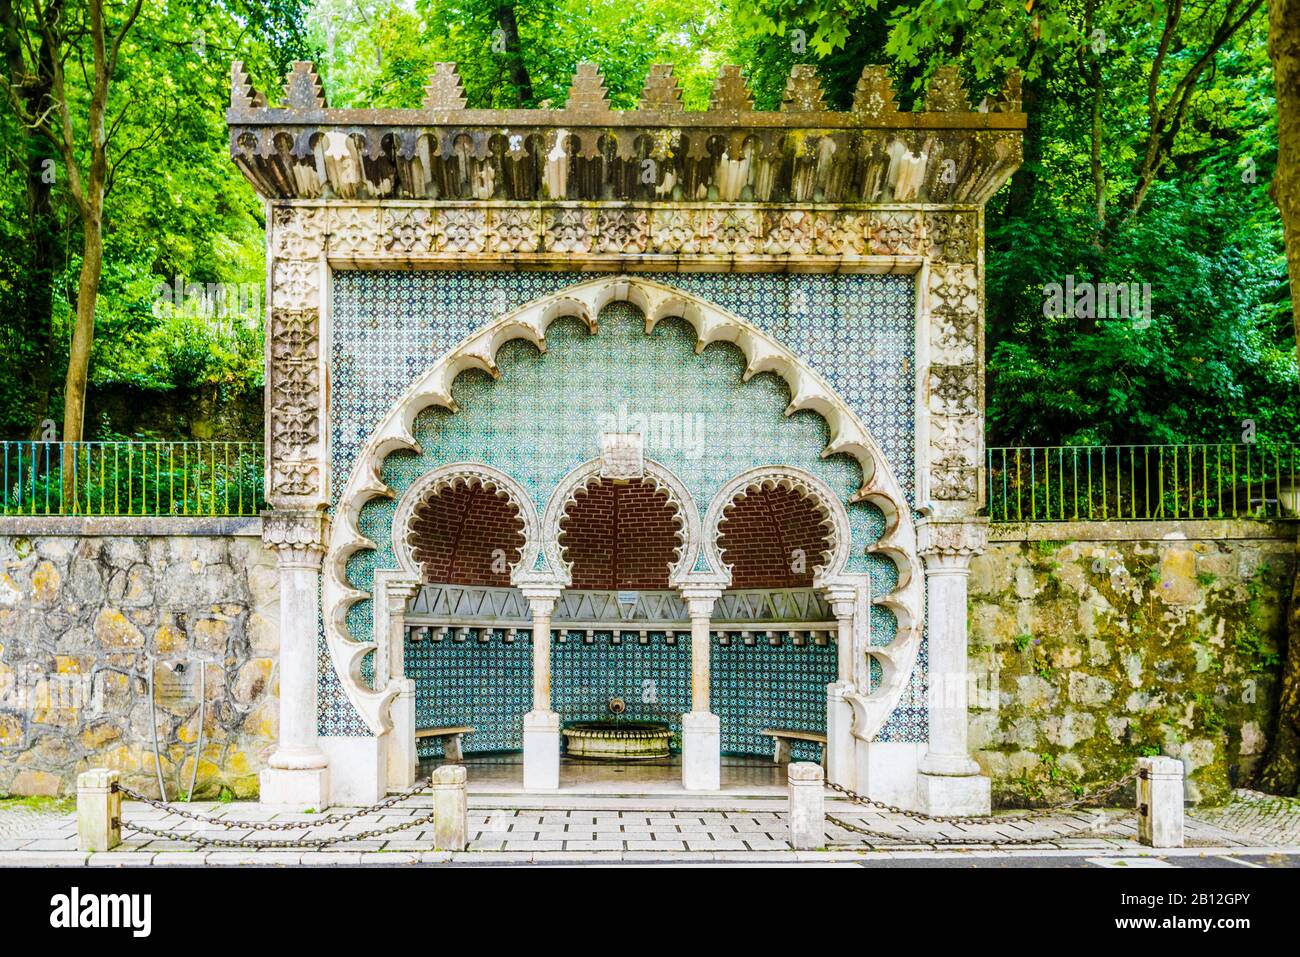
point(946, 153)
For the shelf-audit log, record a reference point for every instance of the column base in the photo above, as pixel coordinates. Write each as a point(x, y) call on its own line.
point(701, 751)
point(960, 795)
point(887, 771)
point(295, 788)
point(541, 751)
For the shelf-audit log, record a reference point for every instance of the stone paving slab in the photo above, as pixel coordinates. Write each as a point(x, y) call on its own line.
point(611, 831)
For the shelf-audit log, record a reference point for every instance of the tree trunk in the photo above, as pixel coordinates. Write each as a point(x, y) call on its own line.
point(83, 333)
point(519, 78)
point(1281, 772)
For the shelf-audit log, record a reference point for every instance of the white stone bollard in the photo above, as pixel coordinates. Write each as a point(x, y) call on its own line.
point(450, 809)
point(807, 806)
point(1160, 802)
point(99, 810)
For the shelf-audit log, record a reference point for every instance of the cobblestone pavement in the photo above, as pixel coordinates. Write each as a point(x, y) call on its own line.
point(575, 829)
point(18, 820)
point(1263, 818)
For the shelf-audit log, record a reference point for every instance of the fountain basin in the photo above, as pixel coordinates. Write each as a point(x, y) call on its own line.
point(617, 740)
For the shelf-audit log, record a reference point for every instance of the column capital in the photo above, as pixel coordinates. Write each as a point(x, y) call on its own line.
point(541, 598)
point(697, 594)
point(399, 590)
point(949, 546)
point(843, 598)
point(699, 603)
point(297, 536)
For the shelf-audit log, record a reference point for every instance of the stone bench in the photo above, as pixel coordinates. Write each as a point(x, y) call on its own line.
point(783, 737)
point(451, 739)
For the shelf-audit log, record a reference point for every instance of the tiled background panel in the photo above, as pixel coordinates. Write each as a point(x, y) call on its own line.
point(488, 685)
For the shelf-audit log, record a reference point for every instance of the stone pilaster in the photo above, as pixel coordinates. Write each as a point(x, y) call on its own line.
point(401, 753)
point(296, 432)
point(298, 775)
point(839, 713)
point(949, 782)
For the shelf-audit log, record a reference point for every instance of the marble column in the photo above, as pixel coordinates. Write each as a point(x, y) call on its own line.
point(701, 728)
point(541, 725)
point(298, 771)
point(839, 713)
point(949, 781)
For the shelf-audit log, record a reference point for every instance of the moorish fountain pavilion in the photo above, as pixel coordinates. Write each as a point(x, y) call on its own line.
point(677, 410)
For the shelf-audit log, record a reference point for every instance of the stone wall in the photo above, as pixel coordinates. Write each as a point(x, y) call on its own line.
point(1093, 643)
point(91, 608)
point(1089, 645)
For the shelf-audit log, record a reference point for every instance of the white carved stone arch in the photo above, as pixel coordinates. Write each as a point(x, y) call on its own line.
point(464, 475)
point(661, 478)
point(834, 516)
point(657, 302)
point(896, 659)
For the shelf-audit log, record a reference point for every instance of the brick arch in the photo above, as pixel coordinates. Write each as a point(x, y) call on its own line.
point(467, 535)
point(620, 536)
point(773, 537)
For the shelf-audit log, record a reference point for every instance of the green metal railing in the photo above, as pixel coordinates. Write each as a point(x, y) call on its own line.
point(131, 478)
point(1141, 482)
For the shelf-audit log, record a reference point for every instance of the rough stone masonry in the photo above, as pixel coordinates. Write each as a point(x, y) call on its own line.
point(1092, 643)
point(89, 619)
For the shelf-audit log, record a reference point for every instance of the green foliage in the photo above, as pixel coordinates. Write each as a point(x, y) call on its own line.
point(381, 53)
point(177, 206)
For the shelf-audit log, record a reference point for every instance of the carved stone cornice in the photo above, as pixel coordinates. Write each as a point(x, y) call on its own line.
point(945, 153)
point(296, 536)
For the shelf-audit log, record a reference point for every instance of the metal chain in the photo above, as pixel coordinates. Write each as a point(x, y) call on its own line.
point(1097, 795)
point(204, 841)
point(237, 825)
point(941, 839)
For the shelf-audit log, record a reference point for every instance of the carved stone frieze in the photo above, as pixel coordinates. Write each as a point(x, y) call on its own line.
point(758, 236)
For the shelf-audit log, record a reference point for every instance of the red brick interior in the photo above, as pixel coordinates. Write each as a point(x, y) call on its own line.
point(620, 536)
point(455, 534)
point(761, 533)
